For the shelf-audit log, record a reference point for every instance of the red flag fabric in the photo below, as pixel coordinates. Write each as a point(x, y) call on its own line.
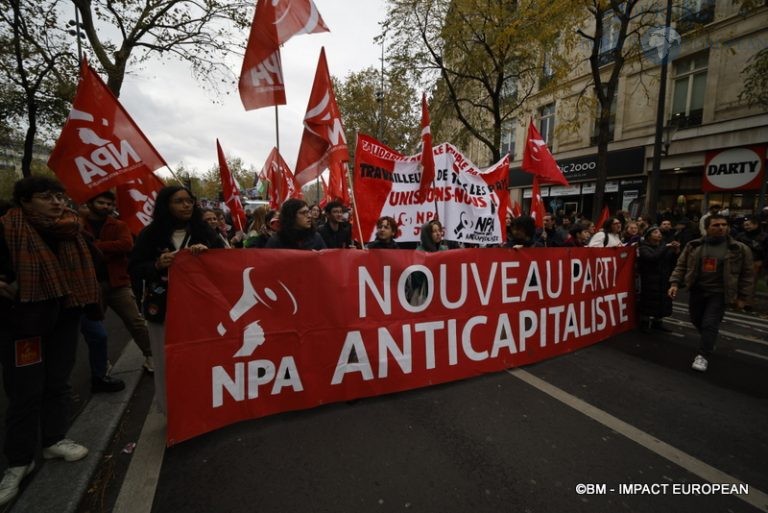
point(261, 342)
point(538, 160)
point(282, 182)
point(326, 197)
point(323, 144)
point(604, 215)
point(516, 210)
point(274, 23)
point(537, 205)
point(100, 145)
point(231, 191)
point(136, 201)
point(427, 158)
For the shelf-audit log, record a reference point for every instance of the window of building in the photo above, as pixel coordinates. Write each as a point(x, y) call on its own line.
point(611, 124)
point(694, 12)
point(688, 92)
point(610, 38)
point(547, 123)
point(508, 139)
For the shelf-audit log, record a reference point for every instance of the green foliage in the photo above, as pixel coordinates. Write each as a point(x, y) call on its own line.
point(483, 58)
point(755, 74)
point(394, 119)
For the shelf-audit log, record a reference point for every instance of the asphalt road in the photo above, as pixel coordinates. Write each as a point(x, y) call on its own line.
point(630, 411)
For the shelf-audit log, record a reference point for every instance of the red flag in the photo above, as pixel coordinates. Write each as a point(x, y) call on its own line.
point(604, 215)
point(231, 191)
point(274, 23)
point(516, 211)
point(136, 201)
point(538, 160)
point(100, 145)
point(427, 158)
point(323, 144)
point(537, 205)
point(279, 175)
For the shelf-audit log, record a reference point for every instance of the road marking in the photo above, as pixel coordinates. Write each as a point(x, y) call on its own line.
point(137, 492)
point(750, 353)
point(748, 320)
point(693, 465)
point(725, 333)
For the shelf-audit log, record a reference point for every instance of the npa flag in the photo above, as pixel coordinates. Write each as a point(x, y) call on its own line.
point(323, 144)
point(538, 160)
point(100, 145)
point(537, 205)
point(427, 159)
point(470, 202)
point(279, 175)
point(231, 190)
point(274, 23)
point(136, 201)
point(604, 215)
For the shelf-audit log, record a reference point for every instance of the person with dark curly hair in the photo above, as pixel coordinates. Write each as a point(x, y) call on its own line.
point(386, 232)
point(47, 280)
point(296, 228)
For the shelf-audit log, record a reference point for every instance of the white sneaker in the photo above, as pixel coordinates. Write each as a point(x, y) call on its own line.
point(149, 364)
point(699, 363)
point(66, 449)
point(9, 487)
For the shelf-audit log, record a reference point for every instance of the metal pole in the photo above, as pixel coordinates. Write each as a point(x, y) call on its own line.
point(277, 130)
point(77, 31)
point(381, 97)
point(761, 198)
point(652, 190)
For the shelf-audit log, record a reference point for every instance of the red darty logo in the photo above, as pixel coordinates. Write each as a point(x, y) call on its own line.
point(732, 169)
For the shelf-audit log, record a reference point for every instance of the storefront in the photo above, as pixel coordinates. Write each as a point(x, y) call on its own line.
point(626, 182)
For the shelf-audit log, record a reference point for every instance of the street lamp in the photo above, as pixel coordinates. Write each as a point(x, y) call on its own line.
point(669, 132)
point(79, 34)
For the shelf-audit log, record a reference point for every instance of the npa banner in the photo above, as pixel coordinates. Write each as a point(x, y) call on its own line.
point(470, 203)
point(247, 335)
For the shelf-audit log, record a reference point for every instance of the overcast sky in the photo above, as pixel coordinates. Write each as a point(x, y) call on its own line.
point(181, 120)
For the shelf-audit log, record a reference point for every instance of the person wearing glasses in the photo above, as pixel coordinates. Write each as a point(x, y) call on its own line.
point(336, 232)
point(609, 236)
point(296, 228)
point(718, 271)
point(47, 280)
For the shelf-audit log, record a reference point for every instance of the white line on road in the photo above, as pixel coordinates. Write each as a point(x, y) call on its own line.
point(725, 333)
point(138, 490)
point(760, 325)
point(755, 497)
point(750, 353)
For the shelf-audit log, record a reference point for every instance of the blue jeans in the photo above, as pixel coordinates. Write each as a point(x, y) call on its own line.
point(96, 337)
point(706, 310)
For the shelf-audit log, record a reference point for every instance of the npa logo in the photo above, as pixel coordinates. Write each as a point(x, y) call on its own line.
point(107, 155)
point(243, 379)
point(268, 73)
point(320, 117)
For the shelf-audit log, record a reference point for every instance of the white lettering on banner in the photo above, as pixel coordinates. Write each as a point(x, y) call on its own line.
point(107, 155)
point(269, 71)
point(442, 340)
point(260, 372)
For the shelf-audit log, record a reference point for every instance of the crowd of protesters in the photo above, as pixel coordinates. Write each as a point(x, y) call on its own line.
point(60, 269)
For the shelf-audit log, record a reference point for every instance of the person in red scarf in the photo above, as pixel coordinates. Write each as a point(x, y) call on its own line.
point(47, 280)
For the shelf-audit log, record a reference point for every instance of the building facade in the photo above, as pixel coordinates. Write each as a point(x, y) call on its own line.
point(715, 144)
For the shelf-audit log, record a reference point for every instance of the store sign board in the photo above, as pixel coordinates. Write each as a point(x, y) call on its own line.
point(734, 169)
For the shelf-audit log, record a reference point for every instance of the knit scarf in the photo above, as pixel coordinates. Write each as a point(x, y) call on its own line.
point(43, 274)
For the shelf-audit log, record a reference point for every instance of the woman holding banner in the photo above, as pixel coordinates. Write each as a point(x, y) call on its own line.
point(386, 231)
point(177, 225)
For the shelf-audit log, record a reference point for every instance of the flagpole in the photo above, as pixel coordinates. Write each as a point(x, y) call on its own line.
point(354, 205)
point(277, 129)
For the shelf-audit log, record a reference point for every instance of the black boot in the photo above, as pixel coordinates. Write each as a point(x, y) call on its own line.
point(106, 384)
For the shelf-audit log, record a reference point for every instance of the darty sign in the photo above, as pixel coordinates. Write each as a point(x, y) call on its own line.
point(734, 169)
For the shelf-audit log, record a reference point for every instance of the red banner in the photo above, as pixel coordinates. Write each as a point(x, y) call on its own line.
point(100, 145)
point(260, 342)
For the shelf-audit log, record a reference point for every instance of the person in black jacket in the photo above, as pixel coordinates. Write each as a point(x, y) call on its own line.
point(386, 231)
point(336, 232)
point(655, 263)
point(296, 228)
point(177, 225)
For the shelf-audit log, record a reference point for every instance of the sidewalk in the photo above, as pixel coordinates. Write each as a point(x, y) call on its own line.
point(58, 486)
